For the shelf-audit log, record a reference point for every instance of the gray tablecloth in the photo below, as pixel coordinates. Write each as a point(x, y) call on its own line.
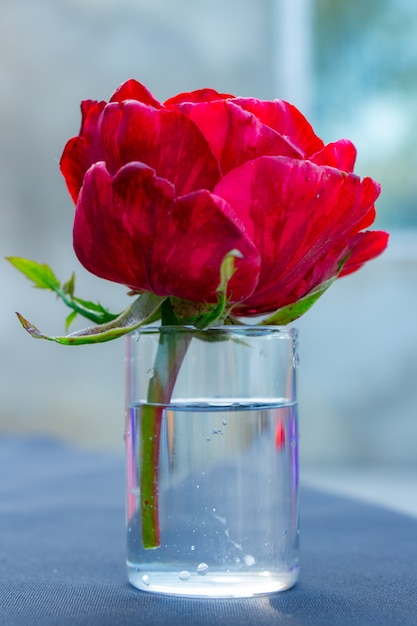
point(62, 554)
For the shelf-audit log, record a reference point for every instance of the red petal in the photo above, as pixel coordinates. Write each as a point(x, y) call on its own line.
point(200, 95)
point(235, 136)
point(296, 213)
point(80, 152)
point(133, 90)
point(341, 154)
point(165, 140)
point(361, 248)
point(75, 161)
point(286, 120)
point(128, 230)
point(364, 247)
point(116, 222)
point(90, 113)
point(191, 244)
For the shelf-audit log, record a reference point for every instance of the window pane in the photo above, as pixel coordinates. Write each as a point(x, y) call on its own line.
point(365, 64)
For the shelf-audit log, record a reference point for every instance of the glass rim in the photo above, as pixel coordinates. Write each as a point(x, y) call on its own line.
point(254, 330)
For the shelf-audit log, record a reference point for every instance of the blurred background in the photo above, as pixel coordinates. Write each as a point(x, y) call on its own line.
point(352, 70)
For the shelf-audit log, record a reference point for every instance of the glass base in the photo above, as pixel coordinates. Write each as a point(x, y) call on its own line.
point(204, 583)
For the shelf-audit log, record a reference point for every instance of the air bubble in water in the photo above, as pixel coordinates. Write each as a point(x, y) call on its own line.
point(249, 559)
point(145, 579)
point(202, 569)
point(184, 575)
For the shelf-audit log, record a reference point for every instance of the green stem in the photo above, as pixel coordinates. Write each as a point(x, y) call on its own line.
point(171, 352)
point(149, 453)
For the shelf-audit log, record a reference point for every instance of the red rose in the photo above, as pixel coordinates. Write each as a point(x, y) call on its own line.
point(164, 191)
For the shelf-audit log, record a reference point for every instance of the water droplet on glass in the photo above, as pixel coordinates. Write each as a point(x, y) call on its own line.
point(145, 579)
point(192, 548)
point(184, 575)
point(208, 438)
point(284, 532)
point(249, 559)
point(224, 422)
point(202, 569)
point(214, 509)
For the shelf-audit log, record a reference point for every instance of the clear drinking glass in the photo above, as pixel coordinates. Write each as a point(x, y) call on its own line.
point(224, 461)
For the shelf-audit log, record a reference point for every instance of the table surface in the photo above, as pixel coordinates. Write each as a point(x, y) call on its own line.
point(62, 554)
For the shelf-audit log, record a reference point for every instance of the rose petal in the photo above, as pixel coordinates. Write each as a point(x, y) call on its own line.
point(74, 163)
point(199, 95)
point(116, 223)
point(296, 213)
point(133, 90)
point(286, 120)
point(128, 230)
point(166, 140)
point(191, 245)
point(364, 247)
point(80, 152)
point(235, 136)
point(90, 113)
point(340, 154)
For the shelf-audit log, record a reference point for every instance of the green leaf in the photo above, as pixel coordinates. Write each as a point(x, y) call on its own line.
point(142, 311)
point(94, 312)
point(94, 306)
point(293, 311)
point(40, 274)
point(69, 319)
point(69, 286)
point(44, 278)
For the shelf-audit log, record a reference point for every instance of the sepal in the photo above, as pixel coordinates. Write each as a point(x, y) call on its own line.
point(203, 315)
point(143, 310)
point(291, 312)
